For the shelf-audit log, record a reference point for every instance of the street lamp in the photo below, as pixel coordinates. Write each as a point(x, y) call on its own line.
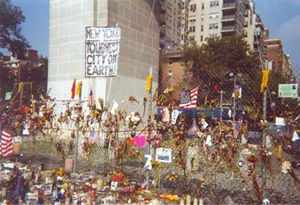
point(235, 76)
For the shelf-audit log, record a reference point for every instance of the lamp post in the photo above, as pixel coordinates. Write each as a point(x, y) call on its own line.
point(235, 76)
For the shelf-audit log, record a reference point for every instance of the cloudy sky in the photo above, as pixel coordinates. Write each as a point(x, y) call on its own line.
point(282, 17)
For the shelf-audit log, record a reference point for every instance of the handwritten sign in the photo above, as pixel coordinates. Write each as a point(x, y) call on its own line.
point(102, 46)
point(163, 155)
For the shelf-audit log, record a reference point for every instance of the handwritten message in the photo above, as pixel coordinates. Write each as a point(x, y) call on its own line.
point(102, 46)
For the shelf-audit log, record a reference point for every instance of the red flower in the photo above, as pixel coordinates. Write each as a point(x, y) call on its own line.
point(27, 109)
point(118, 178)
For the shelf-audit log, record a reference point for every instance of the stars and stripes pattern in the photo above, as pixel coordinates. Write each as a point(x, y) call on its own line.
point(91, 100)
point(6, 144)
point(189, 102)
point(93, 137)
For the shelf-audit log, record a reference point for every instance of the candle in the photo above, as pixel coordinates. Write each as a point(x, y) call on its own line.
point(181, 202)
point(195, 201)
point(68, 200)
point(36, 178)
point(72, 188)
point(19, 184)
point(188, 200)
point(3, 192)
point(99, 184)
point(54, 193)
point(200, 201)
point(89, 201)
point(47, 180)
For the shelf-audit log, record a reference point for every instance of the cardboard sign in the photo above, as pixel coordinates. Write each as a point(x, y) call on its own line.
point(163, 155)
point(102, 46)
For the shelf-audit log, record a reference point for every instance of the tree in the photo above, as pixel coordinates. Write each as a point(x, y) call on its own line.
point(280, 107)
point(11, 18)
point(212, 62)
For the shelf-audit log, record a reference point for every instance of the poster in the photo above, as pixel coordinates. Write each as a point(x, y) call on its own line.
point(102, 46)
point(288, 90)
point(163, 155)
point(8, 95)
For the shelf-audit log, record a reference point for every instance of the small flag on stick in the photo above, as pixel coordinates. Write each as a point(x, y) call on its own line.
point(73, 89)
point(91, 100)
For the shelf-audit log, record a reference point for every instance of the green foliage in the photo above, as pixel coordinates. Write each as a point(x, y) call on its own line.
point(214, 60)
point(11, 18)
point(283, 107)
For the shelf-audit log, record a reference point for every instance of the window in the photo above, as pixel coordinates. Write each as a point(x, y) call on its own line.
point(214, 3)
point(202, 27)
point(192, 38)
point(202, 6)
point(193, 7)
point(192, 20)
point(215, 35)
point(202, 17)
point(192, 28)
point(169, 7)
point(214, 15)
point(213, 26)
point(201, 38)
point(170, 74)
point(169, 18)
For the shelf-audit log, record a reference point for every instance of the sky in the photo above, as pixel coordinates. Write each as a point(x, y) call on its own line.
point(282, 17)
point(36, 25)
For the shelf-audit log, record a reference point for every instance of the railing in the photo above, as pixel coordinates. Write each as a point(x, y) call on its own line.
point(228, 17)
point(229, 5)
point(227, 28)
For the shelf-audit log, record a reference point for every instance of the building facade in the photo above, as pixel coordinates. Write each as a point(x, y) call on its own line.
point(210, 19)
point(139, 46)
point(275, 54)
point(170, 22)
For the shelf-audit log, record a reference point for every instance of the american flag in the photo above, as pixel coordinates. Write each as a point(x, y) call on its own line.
point(91, 100)
point(6, 144)
point(93, 137)
point(189, 100)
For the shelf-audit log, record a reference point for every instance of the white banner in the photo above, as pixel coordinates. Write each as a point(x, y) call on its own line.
point(102, 47)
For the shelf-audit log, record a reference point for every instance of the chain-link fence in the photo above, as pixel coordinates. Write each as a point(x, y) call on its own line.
point(222, 147)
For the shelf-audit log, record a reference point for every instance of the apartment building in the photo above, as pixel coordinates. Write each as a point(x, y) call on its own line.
point(210, 19)
point(215, 18)
point(170, 22)
point(255, 32)
point(287, 70)
point(184, 22)
point(275, 53)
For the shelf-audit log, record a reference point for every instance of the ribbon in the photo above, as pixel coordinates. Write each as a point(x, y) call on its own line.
point(264, 82)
